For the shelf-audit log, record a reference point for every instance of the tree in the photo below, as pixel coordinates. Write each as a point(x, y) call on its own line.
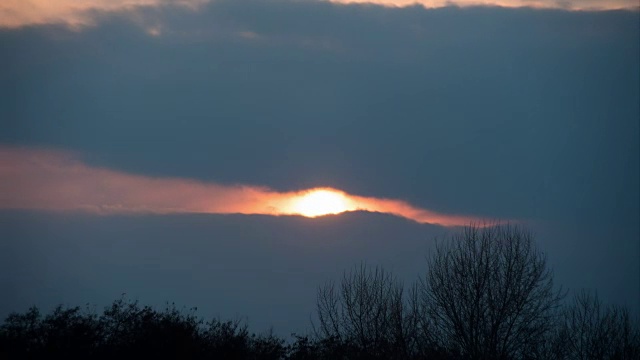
point(488, 293)
point(597, 331)
point(366, 315)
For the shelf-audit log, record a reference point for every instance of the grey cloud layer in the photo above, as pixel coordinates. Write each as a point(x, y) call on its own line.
point(375, 101)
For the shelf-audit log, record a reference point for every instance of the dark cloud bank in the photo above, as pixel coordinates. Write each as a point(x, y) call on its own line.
point(505, 113)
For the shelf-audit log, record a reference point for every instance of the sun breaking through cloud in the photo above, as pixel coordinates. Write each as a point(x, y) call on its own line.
point(41, 179)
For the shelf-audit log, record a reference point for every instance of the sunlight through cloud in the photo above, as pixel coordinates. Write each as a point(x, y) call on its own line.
point(321, 202)
point(51, 180)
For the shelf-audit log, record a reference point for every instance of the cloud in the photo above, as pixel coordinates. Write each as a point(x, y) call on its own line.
point(75, 13)
point(543, 4)
point(500, 112)
point(57, 181)
point(82, 13)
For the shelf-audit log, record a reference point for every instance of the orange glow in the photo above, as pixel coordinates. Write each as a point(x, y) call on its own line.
point(82, 13)
point(540, 4)
point(321, 202)
point(76, 13)
point(49, 180)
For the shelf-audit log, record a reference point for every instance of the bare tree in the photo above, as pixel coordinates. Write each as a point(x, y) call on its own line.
point(488, 293)
point(598, 331)
point(367, 312)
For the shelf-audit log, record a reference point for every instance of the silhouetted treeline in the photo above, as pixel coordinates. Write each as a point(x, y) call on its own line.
point(487, 293)
point(126, 329)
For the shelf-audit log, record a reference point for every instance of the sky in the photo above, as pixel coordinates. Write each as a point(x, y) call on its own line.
point(181, 151)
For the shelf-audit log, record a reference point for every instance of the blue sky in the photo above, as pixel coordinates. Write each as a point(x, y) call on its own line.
point(523, 113)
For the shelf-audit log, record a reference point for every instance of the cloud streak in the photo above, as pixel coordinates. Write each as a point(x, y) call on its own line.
point(75, 13)
point(82, 13)
point(540, 4)
point(51, 180)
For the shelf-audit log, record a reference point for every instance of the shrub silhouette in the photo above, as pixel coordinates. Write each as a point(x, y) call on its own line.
point(126, 329)
point(130, 329)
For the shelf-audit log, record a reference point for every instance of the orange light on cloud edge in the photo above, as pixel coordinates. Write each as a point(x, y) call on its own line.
point(79, 14)
point(582, 5)
point(51, 180)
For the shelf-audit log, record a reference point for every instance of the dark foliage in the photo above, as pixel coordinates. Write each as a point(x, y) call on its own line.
point(126, 329)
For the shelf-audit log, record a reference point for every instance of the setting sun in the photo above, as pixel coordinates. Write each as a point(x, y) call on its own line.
point(321, 202)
